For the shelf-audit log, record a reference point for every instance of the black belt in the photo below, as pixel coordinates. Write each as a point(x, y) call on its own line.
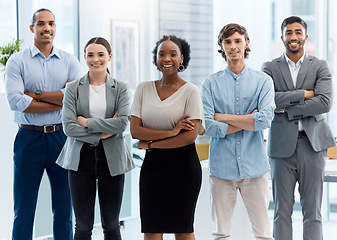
point(301, 134)
point(45, 129)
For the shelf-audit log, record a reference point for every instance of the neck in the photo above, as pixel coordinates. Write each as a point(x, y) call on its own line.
point(295, 57)
point(236, 67)
point(97, 79)
point(170, 79)
point(45, 49)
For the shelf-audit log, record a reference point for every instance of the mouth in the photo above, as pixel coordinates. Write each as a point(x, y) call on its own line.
point(167, 66)
point(96, 65)
point(47, 34)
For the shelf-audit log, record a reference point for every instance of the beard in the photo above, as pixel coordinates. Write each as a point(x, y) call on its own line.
point(288, 48)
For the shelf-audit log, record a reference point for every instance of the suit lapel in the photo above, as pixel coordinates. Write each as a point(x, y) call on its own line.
point(83, 95)
point(284, 68)
point(110, 97)
point(303, 71)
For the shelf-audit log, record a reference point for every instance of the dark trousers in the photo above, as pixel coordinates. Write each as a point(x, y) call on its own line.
point(93, 172)
point(35, 152)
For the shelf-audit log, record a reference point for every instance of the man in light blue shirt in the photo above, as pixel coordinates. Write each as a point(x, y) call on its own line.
point(238, 105)
point(35, 81)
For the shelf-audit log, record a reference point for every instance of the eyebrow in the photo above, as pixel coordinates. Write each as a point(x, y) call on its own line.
point(45, 21)
point(169, 50)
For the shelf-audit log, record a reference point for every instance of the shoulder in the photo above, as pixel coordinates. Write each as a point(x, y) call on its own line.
point(214, 77)
point(258, 74)
point(191, 87)
point(144, 85)
point(20, 56)
point(64, 55)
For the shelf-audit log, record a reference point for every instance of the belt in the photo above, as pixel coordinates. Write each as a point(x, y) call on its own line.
point(301, 134)
point(45, 129)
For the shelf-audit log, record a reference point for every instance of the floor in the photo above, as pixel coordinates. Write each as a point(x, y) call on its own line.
point(131, 230)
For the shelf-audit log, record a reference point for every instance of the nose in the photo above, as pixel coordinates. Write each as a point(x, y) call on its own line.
point(46, 27)
point(233, 45)
point(166, 58)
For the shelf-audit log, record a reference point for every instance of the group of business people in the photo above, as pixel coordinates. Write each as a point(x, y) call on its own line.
point(72, 127)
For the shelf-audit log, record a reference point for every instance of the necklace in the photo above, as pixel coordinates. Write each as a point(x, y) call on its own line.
point(97, 89)
point(169, 85)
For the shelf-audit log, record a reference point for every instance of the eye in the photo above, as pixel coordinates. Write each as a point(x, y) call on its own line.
point(101, 55)
point(173, 54)
point(89, 55)
point(237, 41)
point(227, 42)
point(39, 24)
point(160, 54)
point(51, 24)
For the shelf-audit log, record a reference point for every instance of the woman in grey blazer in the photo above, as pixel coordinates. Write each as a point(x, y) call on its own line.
point(95, 115)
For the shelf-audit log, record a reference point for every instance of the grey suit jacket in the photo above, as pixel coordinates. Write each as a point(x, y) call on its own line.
point(76, 103)
point(314, 74)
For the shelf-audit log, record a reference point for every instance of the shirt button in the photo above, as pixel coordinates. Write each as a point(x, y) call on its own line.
point(238, 142)
point(237, 99)
point(239, 157)
point(237, 113)
point(237, 83)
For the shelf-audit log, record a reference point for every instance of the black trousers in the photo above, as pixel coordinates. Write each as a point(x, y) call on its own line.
point(93, 173)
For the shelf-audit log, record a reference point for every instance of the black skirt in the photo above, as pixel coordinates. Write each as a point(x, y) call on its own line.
point(170, 181)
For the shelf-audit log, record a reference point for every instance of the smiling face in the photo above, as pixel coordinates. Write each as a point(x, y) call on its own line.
point(97, 57)
point(234, 47)
point(169, 57)
point(294, 37)
point(44, 28)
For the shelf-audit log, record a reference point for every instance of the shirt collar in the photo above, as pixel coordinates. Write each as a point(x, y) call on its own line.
point(35, 51)
point(292, 63)
point(234, 75)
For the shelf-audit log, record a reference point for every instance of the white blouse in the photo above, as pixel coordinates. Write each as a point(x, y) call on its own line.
point(164, 115)
point(97, 101)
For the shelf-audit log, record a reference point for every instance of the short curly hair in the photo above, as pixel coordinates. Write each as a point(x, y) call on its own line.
point(183, 45)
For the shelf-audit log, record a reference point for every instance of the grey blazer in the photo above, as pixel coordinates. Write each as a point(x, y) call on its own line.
point(76, 103)
point(314, 75)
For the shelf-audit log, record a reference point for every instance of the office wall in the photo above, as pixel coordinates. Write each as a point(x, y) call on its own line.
point(95, 20)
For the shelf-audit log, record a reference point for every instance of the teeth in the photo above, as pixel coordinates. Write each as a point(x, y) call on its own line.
point(167, 66)
point(96, 65)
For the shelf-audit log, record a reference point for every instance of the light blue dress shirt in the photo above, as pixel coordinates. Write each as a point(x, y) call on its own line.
point(28, 71)
point(242, 154)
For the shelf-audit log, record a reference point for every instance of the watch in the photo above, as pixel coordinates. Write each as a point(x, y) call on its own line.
point(38, 92)
point(282, 110)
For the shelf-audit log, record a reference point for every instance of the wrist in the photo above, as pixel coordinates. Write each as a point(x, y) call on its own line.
point(149, 145)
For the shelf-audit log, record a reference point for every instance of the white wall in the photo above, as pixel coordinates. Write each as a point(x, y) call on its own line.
point(255, 17)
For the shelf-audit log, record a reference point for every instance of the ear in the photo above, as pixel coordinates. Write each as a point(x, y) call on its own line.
point(282, 38)
point(247, 44)
point(110, 57)
point(182, 59)
point(306, 37)
point(85, 56)
point(31, 28)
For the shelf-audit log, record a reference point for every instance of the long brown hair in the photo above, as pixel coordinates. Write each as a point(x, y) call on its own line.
point(102, 41)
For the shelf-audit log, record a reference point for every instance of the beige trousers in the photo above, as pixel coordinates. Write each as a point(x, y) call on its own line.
point(256, 197)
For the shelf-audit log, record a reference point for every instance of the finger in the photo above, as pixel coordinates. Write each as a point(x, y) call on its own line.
point(115, 115)
point(186, 116)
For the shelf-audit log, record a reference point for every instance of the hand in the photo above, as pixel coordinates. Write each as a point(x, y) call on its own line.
point(279, 111)
point(106, 135)
point(183, 124)
point(309, 94)
point(82, 121)
point(115, 115)
point(255, 111)
point(142, 145)
point(220, 117)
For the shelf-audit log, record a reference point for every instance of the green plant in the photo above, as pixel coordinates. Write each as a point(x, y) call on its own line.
point(8, 49)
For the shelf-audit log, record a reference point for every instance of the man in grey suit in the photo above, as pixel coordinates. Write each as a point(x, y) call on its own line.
point(299, 134)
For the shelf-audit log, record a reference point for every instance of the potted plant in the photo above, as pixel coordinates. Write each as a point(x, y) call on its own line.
point(7, 50)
